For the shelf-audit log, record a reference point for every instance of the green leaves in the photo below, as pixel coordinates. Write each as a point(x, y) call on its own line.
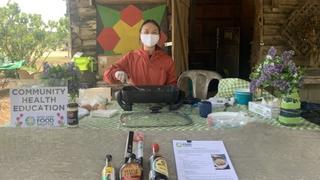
point(26, 36)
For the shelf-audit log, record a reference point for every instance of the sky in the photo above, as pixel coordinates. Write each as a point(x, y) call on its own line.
point(49, 9)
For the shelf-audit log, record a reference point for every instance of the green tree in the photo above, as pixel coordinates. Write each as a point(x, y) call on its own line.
point(26, 36)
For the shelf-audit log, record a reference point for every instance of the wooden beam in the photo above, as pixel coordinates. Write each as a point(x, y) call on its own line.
point(130, 1)
point(275, 5)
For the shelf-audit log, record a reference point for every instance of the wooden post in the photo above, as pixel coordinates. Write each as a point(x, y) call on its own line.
point(257, 41)
point(180, 34)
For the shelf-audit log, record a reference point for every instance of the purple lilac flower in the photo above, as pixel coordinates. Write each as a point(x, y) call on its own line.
point(46, 69)
point(279, 72)
point(272, 52)
point(272, 69)
point(280, 84)
point(263, 78)
point(253, 86)
point(286, 56)
point(292, 67)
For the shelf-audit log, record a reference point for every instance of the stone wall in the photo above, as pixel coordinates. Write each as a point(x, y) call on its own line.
point(83, 26)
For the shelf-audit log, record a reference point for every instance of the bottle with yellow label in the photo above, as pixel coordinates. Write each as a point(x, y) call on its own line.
point(158, 165)
point(108, 171)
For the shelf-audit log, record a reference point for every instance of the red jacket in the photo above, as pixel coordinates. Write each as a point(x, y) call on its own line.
point(158, 69)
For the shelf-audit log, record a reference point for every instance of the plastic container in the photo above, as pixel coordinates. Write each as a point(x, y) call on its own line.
point(243, 96)
point(227, 119)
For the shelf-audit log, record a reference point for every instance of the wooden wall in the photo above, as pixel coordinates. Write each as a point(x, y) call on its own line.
point(271, 16)
point(82, 15)
point(274, 16)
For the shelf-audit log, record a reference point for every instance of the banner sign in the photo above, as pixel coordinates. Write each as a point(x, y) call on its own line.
point(39, 107)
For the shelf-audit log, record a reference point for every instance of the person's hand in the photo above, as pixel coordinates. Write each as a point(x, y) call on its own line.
point(121, 76)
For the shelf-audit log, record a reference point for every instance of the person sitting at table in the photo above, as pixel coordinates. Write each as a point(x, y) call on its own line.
point(149, 65)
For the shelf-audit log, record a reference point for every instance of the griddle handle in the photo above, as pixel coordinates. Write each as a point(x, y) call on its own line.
point(179, 102)
point(122, 103)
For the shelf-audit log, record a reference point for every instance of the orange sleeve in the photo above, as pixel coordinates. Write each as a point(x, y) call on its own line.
point(171, 74)
point(120, 65)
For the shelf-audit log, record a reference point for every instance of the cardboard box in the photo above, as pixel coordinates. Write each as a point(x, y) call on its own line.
point(106, 61)
point(264, 110)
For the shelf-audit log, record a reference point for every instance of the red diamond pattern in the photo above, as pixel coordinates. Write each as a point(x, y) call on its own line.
point(131, 15)
point(108, 39)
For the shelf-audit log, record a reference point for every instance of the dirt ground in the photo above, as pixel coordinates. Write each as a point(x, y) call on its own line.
point(4, 111)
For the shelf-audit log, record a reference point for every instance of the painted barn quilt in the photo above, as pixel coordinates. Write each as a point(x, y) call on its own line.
point(118, 26)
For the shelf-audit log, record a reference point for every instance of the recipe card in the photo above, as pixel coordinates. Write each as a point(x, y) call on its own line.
point(202, 160)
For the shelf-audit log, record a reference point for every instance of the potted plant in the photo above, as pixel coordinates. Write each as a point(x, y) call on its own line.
point(62, 75)
point(280, 73)
point(65, 75)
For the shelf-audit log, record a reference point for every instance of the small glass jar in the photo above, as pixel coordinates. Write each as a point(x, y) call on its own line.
point(72, 115)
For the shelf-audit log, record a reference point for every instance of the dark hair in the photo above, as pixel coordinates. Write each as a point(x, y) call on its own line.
point(150, 21)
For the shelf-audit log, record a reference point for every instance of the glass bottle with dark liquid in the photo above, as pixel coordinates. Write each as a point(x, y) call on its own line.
point(158, 165)
point(131, 170)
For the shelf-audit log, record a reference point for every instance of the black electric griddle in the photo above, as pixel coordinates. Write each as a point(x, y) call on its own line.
point(130, 95)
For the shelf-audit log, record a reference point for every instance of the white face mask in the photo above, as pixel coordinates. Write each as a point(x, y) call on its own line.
point(149, 40)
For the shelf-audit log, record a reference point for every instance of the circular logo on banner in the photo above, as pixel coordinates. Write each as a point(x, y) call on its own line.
point(30, 121)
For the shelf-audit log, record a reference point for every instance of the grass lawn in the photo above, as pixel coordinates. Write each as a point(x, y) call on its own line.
point(55, 58)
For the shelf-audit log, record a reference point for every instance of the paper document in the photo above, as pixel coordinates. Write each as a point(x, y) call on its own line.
point(202, 160)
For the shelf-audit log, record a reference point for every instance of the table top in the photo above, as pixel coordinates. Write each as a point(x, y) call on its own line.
point(198, 123)
point(257, 151)
point(260, 150)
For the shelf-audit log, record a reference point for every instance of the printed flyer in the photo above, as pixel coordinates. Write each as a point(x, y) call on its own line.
point(202, 160)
